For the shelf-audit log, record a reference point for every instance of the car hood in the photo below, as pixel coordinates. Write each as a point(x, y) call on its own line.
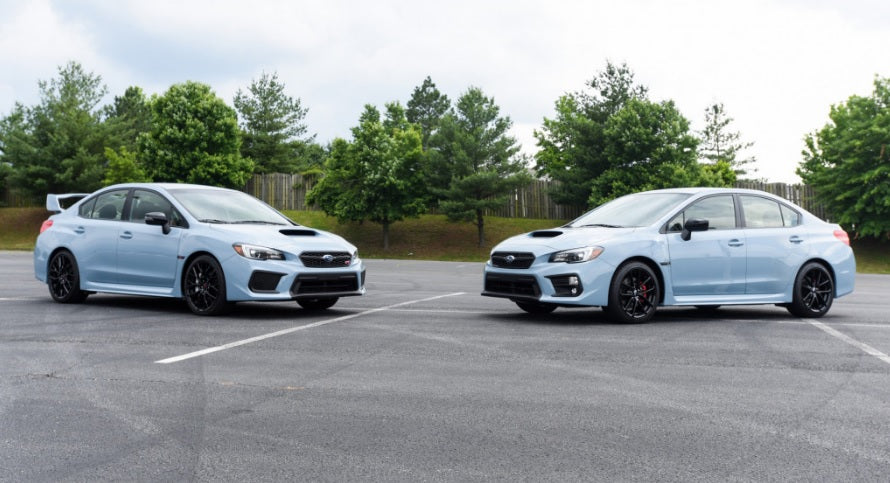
point(545, 241)
point(294, 239)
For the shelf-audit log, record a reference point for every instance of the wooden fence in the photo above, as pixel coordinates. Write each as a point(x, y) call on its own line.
point(288, 192)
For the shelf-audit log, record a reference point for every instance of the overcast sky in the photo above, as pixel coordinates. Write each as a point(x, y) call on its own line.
point(777, 66)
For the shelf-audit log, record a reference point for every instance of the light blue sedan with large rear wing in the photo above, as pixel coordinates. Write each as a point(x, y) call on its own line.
point(702, 247)
point(210, 246)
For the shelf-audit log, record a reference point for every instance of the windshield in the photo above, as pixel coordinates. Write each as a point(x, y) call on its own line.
point(639, 209)
point(226, 206)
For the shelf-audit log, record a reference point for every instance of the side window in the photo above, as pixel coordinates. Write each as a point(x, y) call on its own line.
point(109, 205)
point(145, 202)
point(789, 216)
point(718, 210)
point(761, 212)
point(86, 209)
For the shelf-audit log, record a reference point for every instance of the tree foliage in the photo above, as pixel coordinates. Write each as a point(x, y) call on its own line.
point(127, 118)
point(473, 162)
point(274, 131)
point(847, 162)
point(194, 138)
point(649, 147)
point(123, 167)
point(612, 140)
point(378, 176)
point(58, 145)
point(718, 143)
point(573, 144)
point(426, 108)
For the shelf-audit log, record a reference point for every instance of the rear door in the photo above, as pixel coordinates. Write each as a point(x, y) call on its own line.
point(95, 236)
point(777, 244)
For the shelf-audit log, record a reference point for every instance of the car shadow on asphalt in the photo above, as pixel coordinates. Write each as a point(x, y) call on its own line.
point(587, 316)
point(242, 311)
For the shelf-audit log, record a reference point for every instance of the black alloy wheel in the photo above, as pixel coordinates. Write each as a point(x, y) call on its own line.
point(320, 303)
point(535, 307)
point(634, 294)
point(205, 287)
point(813, 291)
point(63, 279)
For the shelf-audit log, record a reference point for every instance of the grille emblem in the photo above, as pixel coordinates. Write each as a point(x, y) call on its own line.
point(509, 259)
point(328, 258)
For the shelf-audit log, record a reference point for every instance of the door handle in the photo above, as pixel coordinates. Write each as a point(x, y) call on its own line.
point(80, 230)
point(126, 235)
point(735, 243)
point(795, 239)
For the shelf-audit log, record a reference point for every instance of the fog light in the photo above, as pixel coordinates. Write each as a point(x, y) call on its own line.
point(568, 285)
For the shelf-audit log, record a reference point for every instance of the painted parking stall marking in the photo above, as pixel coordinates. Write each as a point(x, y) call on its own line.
point(295, 329)
point(853, 342)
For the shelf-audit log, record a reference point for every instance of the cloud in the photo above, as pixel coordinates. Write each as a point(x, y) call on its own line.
point(776, 65)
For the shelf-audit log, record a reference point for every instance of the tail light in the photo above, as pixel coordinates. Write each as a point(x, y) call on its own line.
point(842, 236)
point(45, 226)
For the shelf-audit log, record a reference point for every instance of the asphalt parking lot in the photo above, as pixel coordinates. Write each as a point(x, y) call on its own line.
point(424, 380)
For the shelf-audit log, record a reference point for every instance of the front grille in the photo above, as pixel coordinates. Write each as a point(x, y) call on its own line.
point(326, 259)
point(512, 285)
point(512, 259)
point(325, 283)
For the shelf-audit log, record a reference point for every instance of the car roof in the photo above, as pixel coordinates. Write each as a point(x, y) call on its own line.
point(164, 186)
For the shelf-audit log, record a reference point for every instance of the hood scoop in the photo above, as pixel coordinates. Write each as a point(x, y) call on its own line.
point(298, 232)
point(545, 234)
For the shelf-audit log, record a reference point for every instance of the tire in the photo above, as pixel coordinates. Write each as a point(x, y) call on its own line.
point(63, 279)
point(813, 291)
point(204, 285)
point(535, 308)
point(634, 294)
point(318, 303)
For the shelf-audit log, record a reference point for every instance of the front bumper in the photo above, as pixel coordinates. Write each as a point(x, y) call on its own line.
point(268, 280)
point(581, 284)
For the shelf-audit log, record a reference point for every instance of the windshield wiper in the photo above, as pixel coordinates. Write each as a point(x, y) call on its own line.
point(601, 225)
point(213, 220)
point(258, 222)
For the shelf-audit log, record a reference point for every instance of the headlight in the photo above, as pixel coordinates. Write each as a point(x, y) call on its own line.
point(576, 255)
point(255, 252)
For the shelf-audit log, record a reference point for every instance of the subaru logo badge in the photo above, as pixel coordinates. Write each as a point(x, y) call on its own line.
point(328, 258)
point(510, 259)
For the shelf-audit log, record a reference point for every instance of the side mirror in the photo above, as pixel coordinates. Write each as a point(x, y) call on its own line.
point(157, 218)
point(691, 225)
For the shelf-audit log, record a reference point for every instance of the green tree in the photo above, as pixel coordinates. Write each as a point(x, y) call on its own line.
point(127, 118)
point(718, 143)
point(377, 176)
point(573, 145)
point(473, 149)
point(274, 133)
point(123, 167)
point(648, 146)
point(426, 108)
point(847, 162)
point(194, 138)
point(57, 145)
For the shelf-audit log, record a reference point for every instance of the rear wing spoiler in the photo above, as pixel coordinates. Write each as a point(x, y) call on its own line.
point(52, 201)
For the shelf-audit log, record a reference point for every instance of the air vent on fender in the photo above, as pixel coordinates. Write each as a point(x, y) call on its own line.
point(298, 232)
point(545, 234)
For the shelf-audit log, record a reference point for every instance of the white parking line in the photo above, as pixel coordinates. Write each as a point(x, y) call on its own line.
point(853, 342)
point(294, 329)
